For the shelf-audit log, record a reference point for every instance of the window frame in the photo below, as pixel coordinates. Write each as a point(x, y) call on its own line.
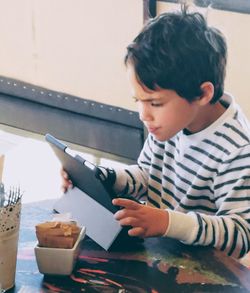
point(239, 6)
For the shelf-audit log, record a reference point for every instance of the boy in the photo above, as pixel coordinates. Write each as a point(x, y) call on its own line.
point(194, 169)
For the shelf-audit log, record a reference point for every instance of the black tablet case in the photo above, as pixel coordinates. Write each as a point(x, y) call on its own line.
point(88, 202)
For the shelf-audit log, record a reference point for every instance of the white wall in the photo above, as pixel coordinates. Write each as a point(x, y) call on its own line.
point(235, 27)
point(78, 46)
point(73, 46)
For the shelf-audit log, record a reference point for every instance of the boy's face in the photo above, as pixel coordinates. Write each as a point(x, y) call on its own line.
point(163, 112)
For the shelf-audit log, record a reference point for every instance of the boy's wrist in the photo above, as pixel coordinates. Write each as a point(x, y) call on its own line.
point(182, 226)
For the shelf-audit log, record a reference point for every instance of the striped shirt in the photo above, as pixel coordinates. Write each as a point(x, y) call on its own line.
point(202, 179)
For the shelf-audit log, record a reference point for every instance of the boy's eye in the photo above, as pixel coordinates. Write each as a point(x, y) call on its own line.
point(156, 104)
point(152, 103)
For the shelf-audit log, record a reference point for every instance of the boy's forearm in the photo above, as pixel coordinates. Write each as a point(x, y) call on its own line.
point(131, 180)
point(220, 232)
point(125, 181)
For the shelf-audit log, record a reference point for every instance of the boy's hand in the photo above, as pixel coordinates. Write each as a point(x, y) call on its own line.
point(145, 221)
point(66, 182)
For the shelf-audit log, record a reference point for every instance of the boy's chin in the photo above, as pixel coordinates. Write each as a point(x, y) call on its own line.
point(161, 138)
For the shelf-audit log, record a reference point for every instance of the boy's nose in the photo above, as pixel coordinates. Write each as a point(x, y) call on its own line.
point(144, 114)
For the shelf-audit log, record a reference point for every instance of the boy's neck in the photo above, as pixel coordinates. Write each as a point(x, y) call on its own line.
point(207, 115)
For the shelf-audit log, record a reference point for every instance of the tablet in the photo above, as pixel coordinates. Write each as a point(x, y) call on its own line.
point(82, 173)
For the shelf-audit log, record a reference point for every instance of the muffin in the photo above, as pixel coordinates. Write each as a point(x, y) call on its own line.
point(57, 234)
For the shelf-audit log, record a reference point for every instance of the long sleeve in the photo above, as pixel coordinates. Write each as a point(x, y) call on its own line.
point(228, 229)
point(133, 180)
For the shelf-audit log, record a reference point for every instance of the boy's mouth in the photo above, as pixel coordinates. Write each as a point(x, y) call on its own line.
point(152, 129)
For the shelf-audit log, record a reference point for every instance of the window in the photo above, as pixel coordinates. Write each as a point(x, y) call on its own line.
point(241, 6)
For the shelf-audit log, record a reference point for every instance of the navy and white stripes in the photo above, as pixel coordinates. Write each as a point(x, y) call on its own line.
point(203, 179)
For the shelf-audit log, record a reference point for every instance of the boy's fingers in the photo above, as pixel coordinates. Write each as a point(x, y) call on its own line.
point(126, 203)
point(129, 221)
point(67, 182)
point(66, 187)
point(137, 231)
point(64, 174)
point(120, 215)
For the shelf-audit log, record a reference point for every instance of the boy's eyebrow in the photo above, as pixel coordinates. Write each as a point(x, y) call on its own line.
point(147, 100)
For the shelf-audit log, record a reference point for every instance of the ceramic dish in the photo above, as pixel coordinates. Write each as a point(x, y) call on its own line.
point(58, 261)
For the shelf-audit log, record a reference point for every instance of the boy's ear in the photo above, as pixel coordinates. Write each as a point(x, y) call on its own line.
point(207, 89)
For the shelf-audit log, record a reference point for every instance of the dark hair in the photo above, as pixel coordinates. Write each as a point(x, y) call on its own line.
point(178, 51)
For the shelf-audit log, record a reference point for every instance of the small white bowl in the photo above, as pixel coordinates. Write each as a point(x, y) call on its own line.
point(58, 261)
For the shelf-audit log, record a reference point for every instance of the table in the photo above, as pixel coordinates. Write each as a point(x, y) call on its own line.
point(155, 265)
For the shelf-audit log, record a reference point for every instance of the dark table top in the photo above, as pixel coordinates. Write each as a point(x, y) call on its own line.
point(155, 265)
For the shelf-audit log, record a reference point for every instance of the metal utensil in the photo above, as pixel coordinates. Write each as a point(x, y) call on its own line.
point(2, 195)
